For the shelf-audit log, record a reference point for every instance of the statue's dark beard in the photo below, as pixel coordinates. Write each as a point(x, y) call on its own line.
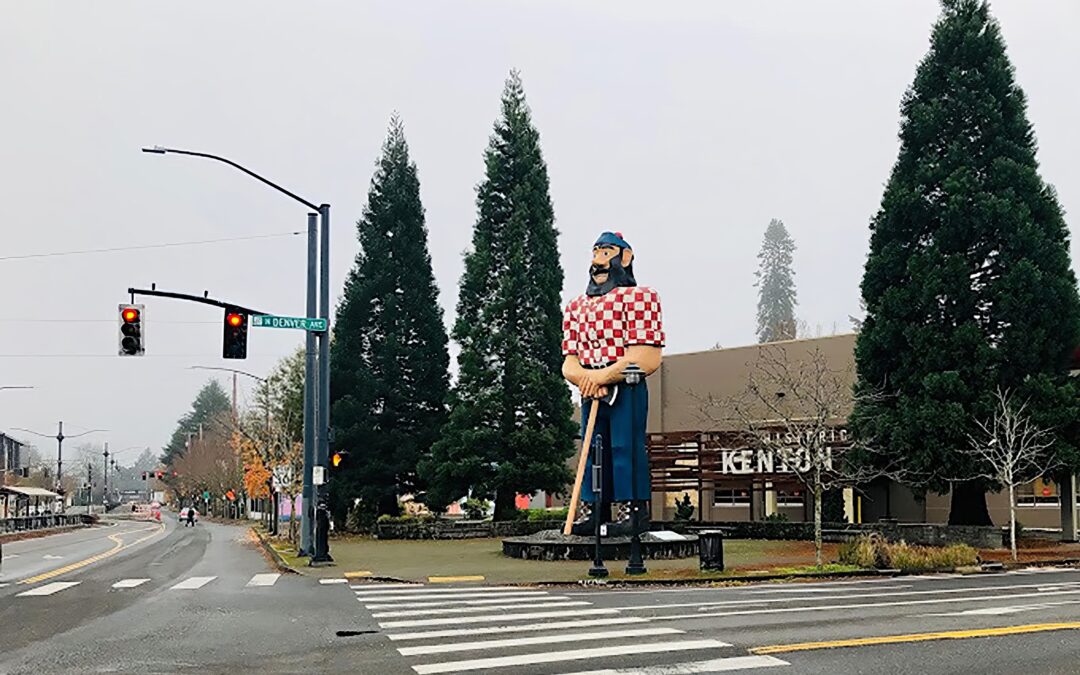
point(617, 276)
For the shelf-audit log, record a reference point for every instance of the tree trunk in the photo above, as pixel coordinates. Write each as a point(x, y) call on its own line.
point(504, 505)
point(969, 505)
point(1012, 519)
point(817, 524)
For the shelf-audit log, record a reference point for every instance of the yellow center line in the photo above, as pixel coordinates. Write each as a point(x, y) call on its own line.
point(119, 546)
point(917, 637)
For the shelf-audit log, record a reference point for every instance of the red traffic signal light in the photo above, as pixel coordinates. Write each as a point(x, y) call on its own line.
point(132, 335)
point(234, 340)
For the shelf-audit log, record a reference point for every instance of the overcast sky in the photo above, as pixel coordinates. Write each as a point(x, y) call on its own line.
point(687, 125)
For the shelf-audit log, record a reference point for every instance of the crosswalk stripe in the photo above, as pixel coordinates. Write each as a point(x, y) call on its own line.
point(515, 628)
point(712, 666)
point(571, 655)
point(442, 598)
point(381, 586)
point(192, 583)
point(535, 640)
point(535, 597)
point(48, 589)
point(450, 621)
point(263, 580)
point(340, 580)
point(465, 610)
point(442, 590)
point(129, 583)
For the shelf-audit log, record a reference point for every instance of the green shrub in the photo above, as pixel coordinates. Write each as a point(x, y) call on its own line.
point(684, 510)
point(405, 519)
point(537, 515)
point(873, 551)
point(476, 509)
point(776, 518)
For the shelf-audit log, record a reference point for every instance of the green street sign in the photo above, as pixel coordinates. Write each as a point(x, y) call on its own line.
point(271, 321)
point(206, 494)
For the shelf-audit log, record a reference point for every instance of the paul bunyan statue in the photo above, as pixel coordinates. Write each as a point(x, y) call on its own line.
point(613, 336)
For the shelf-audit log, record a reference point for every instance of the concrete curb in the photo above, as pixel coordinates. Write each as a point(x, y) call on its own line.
point(272, 553)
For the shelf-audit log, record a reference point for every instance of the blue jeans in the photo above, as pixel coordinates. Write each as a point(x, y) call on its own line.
point(621, 428)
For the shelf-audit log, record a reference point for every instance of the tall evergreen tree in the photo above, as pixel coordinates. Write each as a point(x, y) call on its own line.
point(210, 403)
point(968, 284)
point(509, 429)
point(776, 285)
point(389, 359)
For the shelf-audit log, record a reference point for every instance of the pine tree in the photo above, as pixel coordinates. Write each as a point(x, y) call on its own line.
point(509, 429)
point(968, 284)
point(210, 403)
point(389, 358)
point(776, 285)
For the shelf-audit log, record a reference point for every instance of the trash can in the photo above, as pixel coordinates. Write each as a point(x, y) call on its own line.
point(711, 550)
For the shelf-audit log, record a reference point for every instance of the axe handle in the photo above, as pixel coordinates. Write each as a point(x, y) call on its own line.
point(586, 446)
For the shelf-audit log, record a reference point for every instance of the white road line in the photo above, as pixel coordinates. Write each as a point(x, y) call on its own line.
point(1001, 611)
point(341, 580)
point(536, 640)
point(50, 556)
point(487, 618)
point(466, 603)
point(516, 628)
point(759, 601)
point(9, 556)
point(859, 605)
point(4, 584)
point(408, 595)
point(428, 590)
point(465, 610)
point(48, 589)
point(572, 655)
point(263, 580)
point(713, 666)
point(822, 590)
point(192, 583)
point(725, 590)
point(381, 586)
point(129, 583)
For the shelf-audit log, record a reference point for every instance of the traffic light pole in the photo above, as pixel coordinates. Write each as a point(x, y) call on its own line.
point(322, 452)
point(307, 519)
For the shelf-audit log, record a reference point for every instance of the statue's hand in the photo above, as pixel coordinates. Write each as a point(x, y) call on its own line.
point(590, 387)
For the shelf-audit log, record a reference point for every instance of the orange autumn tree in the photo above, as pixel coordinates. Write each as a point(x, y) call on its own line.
point(256, 475)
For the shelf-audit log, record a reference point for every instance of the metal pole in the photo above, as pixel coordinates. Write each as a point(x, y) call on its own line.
point(59, 453)
point(309, 389)
point(322, 553)
point(105, 480)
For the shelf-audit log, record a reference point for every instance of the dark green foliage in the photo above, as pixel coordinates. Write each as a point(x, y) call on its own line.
point(968, 284)
point(832, 506)
point(776, 285)
point(209, 405)
point(684, 510)
point(509, 428)
point(389, 359)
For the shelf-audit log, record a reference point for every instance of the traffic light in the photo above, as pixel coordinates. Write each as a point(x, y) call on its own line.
point(132, 333)
point(338, 458)
point(234, 345)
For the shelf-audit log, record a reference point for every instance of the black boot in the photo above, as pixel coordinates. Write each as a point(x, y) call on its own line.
point(624, 524)
point(586, 526)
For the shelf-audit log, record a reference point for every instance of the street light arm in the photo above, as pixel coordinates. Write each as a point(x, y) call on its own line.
point(36, 433)
point(92, 431)
point(228, 370)
point(159, 150)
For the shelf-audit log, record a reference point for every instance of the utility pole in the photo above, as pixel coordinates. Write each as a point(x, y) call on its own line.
point(322, 543)
point(308, 492)
point(59, 447)
point(105, 489)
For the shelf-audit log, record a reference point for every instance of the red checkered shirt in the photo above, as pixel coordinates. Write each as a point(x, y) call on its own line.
point(598, 329)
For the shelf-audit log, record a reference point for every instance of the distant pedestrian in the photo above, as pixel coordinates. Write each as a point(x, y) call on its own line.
point(191, 517)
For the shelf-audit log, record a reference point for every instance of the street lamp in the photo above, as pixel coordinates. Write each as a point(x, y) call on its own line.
point(316, 422)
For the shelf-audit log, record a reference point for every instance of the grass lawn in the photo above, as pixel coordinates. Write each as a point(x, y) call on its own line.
point(418, 560)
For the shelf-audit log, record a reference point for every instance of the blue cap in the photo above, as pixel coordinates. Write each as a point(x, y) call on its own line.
point(611, 239)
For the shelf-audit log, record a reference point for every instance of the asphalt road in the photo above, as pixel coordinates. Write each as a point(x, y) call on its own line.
point(204, 599)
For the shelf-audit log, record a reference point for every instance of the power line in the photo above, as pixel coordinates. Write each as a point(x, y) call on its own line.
point(143, 247)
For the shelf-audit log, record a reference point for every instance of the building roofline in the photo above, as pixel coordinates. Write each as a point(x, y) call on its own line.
point(762, 344)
